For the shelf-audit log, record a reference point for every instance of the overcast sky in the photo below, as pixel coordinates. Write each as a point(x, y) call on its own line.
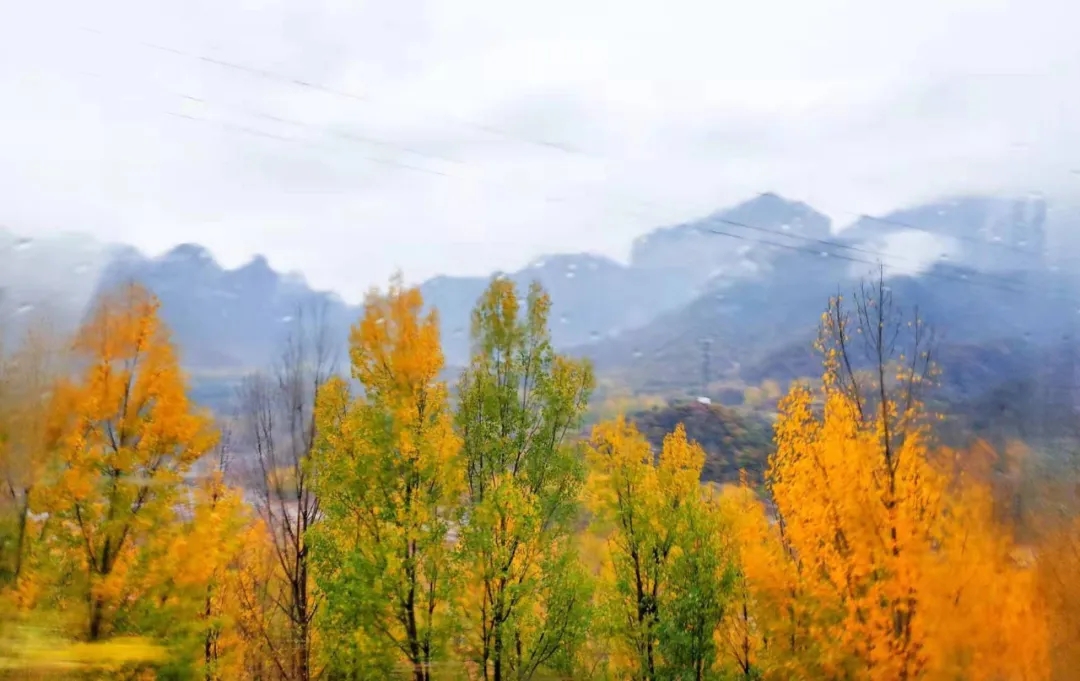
point(345, 138)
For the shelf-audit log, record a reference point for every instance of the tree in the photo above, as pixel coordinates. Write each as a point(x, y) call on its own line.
point(882, 537)
point(517, 403)
point(277, 421)
point(668, 578)
point(388, 470)
point(27, 378)
point(126, 436)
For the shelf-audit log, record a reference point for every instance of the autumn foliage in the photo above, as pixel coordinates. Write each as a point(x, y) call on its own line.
point(380, 523)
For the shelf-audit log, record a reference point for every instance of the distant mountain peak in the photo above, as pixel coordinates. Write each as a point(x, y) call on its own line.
point(771, 200)
point(189, 252)
point(572, 261)
point(772, 211)
point(258, 263)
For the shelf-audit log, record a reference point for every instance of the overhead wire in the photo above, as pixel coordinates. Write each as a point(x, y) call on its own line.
point(1004, 284)
point(1001, 283)
point(275, 76)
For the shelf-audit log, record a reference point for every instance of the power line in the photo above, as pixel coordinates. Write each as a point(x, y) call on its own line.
point(325, 130)
point(232, 127)
point(267, 74)
point(938, 275)
point(378, 142)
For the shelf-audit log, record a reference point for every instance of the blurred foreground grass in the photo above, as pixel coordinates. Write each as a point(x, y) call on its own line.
point(31, 652)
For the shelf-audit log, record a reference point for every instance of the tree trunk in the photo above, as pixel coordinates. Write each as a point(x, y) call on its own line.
point(497, 653)
point(97, 617)
point(21, 539)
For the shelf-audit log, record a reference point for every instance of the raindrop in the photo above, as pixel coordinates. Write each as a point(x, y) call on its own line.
point(569, 275)
point(786, 227)
point(571, 266)
point(23, 244)
point(286, 319)
point(24, 308)
point(824, 254)
point(563, 319)
point(594, 335)
point(380, 321)
point(638, 353)
point(458, 332)
point(82, 269)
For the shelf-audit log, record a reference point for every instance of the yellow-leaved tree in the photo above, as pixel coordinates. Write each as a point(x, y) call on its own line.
point(899, 562)
point(389, 475)
point(525, 610)
point(666, 575)
point(125, 435)
point(187, 593)
point(27, 378)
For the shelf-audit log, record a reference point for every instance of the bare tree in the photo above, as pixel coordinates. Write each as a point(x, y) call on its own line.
point(884, 356)
point(278, 426)
point(27, 377)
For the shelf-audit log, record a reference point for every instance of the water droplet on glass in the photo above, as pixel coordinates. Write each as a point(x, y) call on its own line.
point(569, 275)
point(824, 254)
point(458, 332)
point(594, 335)
point(639, 353)
point(23, 244)
point(286, 319)
point(24, 308)
point(82, 269)
point(563, 319)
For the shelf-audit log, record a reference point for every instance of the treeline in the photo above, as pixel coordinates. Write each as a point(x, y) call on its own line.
point(369, 527)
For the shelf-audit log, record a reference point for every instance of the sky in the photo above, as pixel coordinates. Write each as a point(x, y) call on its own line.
point(346, 139)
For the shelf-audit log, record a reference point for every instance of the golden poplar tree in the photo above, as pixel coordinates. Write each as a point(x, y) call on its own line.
point(888, 545)
point(389, 474)
point(519, 404)
point(667, 578)
point(126, 436)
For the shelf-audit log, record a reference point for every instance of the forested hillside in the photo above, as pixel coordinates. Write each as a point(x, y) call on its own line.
point(372, 515)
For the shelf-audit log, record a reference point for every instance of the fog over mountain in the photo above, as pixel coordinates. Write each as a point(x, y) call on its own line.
point(736, 276)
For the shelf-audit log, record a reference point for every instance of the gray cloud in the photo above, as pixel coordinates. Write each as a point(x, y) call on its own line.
point(665, 112)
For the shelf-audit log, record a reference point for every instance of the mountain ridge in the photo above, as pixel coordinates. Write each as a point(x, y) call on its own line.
point(733, 277)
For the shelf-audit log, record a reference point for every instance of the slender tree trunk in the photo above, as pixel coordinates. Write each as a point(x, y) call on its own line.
point(20, 544)
point(208, 644)
point(497, 653)
point(97, 617)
